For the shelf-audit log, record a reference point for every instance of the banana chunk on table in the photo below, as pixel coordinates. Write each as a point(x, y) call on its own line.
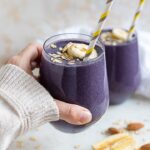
point(116, 142)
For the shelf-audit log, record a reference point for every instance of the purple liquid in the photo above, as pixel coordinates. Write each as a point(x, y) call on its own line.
point(123, 70)
point(84, 84)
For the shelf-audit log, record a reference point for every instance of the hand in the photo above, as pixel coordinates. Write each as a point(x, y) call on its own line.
point(29, 59)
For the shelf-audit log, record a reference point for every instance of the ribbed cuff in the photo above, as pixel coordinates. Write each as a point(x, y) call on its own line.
point(27, 97)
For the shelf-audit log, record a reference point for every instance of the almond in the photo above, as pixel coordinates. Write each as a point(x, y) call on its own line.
point(145, 147)
point(135, 126)
point(113, 131)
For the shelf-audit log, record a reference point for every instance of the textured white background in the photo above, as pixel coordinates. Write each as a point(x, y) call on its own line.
point(22, 21)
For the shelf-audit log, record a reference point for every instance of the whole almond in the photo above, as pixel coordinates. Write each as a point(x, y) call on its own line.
point(135, 126)
point(145, 147)
point(113, 130)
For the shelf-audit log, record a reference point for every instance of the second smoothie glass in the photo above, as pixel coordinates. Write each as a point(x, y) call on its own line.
point(123, 69)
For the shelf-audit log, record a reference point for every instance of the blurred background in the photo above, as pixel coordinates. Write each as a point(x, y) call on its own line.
point(22, 21)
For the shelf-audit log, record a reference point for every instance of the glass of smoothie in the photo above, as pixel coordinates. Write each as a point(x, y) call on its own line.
point(72, 77)
point(122, 58)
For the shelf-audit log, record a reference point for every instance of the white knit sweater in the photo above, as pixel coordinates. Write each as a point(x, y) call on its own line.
point(24, 104)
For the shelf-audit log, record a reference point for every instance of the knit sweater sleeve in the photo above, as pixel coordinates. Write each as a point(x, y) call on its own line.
point(24, 101)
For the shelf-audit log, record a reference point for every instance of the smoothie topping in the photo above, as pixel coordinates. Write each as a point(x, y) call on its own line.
point(60, 48)
point(77, 50)
point(53, 46)
point(120, 34)
point(71, 53)
point(114, 37)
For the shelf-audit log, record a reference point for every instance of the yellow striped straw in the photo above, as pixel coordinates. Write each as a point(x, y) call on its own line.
point(100, 25)
point(136, 17)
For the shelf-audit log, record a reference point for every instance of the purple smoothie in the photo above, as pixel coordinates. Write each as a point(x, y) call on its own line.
point(123, 69)
point(82, 83)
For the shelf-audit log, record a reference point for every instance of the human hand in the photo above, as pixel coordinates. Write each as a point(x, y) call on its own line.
point(29, 59)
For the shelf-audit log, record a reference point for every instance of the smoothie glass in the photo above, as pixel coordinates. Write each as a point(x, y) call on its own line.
point(83, 83)
point(123, 69)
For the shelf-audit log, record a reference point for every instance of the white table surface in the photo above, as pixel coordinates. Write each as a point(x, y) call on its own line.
point(48, 138)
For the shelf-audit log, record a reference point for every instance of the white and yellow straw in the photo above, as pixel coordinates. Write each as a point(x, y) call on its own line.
point(136, 17)
point(100, 25)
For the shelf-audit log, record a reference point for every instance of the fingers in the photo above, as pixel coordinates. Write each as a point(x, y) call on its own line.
point(73, 114)
point(34, 65)
point(29, 58)
point(32, 52)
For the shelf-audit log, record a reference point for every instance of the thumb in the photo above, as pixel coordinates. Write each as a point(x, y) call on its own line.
point(73, 114)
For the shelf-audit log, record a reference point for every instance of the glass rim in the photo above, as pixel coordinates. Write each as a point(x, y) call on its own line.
point(101, 45)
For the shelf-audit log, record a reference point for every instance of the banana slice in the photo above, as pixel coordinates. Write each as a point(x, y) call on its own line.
point(67, 47)
point(116, 142)
point(127, 143)
point(81, 46)
point(120, 34)
point(76, 50)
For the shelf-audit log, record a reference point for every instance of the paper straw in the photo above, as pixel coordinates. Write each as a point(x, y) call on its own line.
point(100, 25)
point(136, 17)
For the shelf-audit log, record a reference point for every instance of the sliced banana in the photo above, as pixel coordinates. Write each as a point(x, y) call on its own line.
point(116, 142)
point(120, 34)
point(67, 47)
point(81, 46)
point(76, 52)
point(127, 143)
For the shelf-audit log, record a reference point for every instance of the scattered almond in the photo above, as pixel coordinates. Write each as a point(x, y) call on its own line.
point(114, 131)
point(135, 126)
point(145, 147)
